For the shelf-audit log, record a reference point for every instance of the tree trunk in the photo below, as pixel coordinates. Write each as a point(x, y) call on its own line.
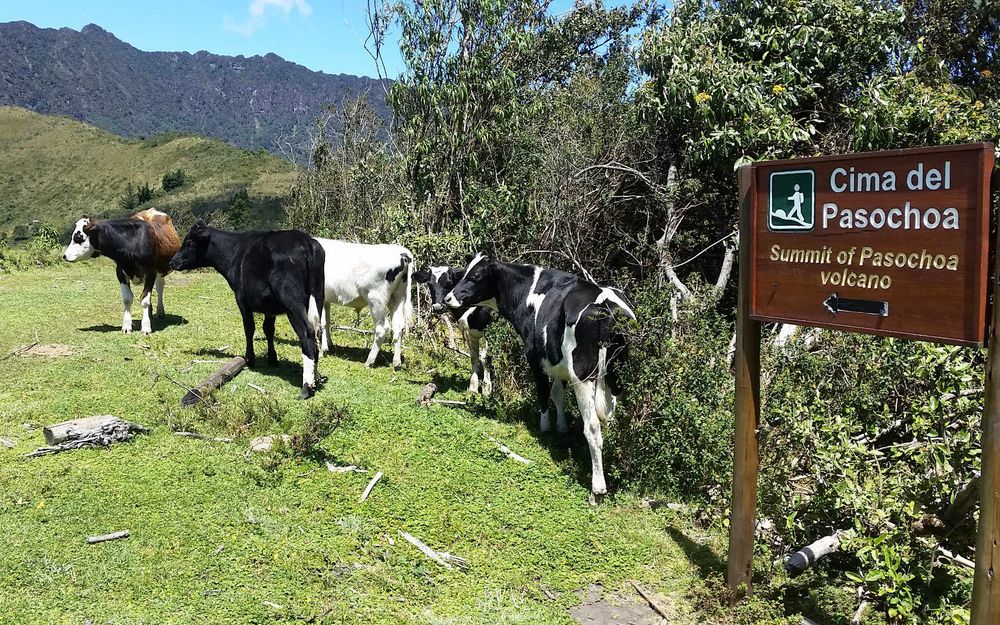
point(77, 428)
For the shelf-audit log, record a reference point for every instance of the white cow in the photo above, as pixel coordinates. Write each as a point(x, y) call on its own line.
point(377, 276)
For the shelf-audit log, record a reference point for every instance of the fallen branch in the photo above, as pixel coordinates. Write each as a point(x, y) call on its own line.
point(649, 599)
point(259, 389)
point(957, 559)
point(804, 558)
point(332, 468)
point(350, 329)
point(456, 349)
point(225, 373)
point(217, 439)
point(449, 402)
point(427, 551)
point(20, 350)
point(510, 454)
point(100, 431)
point(371, 485)
point(93, 540)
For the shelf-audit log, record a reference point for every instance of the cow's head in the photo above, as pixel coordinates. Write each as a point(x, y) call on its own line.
point(476, 287)
point(192, 254)
point(439, 281)
point(83, 243)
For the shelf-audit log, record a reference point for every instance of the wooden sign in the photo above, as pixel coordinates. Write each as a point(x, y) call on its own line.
point(891, 243)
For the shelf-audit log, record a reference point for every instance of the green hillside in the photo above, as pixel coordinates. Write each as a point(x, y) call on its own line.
point(55, 169)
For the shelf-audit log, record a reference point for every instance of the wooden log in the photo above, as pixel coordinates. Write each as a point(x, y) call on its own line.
point(796, 563)
point(222, 375)
point(371, 485)
point(77, 428)
point(93, 540)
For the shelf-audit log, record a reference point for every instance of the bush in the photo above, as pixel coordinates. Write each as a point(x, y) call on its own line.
point(321, 420)
point(174, 180)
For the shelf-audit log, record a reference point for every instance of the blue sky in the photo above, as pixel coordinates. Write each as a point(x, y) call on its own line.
point(325, 35)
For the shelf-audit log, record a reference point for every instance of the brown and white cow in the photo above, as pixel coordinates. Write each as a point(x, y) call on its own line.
point(141, 246)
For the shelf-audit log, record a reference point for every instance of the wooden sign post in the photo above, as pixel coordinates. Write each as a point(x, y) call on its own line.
point(889, 243)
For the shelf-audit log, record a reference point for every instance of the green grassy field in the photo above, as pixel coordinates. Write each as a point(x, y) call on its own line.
point(55, 169)
point(220, 538)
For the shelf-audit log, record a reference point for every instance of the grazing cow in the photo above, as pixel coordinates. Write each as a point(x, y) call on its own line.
point(275, 273)
point(141, 246)
point(472, 320)
point(568, 328)
point(376, 276)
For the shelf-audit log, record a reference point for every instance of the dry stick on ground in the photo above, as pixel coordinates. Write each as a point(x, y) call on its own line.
point(93, 540)
point(510, 454)
point(371, 485)
point(259, 389)
point(224, 373)
point(649, 599)
point(203, 437)
point(350, 329)
point(449, 402)
point(427, 551)
point(20, 350)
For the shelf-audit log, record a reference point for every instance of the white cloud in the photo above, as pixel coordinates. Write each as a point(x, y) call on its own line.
point(259, 11)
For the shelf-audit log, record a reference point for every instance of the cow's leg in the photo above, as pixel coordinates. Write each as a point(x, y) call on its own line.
point(146, 302)
point(398, 328)
point(380, 318)
point(272, 356)
point(248, 330)
point(324, 330)
point(543, 386)
point(585, 395)
point(487, 382)
point(558, 400)
point(473, 342)
point(127, 305)
point(310, 350)
point(160, 312)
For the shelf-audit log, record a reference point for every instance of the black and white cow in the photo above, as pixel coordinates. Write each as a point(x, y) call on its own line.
point(568, 328)
point(472, 320)
point(141, 246)
point(376, 276)
point(274, 273)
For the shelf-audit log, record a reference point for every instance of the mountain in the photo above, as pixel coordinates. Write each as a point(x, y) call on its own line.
point(54, 170)
point(94, 77)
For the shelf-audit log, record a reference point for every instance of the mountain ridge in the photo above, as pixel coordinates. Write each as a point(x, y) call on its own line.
point(95, 77)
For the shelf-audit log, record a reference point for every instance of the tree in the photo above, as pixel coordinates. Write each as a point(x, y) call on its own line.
point(239, 210)
point(174, 180)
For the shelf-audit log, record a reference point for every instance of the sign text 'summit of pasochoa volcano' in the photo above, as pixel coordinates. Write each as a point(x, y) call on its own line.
point(892, 243)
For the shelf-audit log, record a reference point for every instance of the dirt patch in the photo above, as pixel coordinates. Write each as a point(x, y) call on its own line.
point(599, 607)
point(51, 350)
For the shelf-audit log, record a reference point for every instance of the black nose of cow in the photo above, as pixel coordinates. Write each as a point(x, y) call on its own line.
point(65, 257)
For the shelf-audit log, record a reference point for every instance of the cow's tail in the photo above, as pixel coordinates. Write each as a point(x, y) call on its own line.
point(316, 288)
point(402, 313)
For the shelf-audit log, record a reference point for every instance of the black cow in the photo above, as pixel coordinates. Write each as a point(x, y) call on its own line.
point(568, 328)
point(275, 273)
point(472, 320)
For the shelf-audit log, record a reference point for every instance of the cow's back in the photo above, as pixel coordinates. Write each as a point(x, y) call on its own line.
point(163, 236)
point(354, 270)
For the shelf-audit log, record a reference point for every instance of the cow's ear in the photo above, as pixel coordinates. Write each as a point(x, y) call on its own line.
point(422, 276)
point(89, 226)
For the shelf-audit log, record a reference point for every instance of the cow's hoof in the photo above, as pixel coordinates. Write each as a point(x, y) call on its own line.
point(321, 380)
point(307, 392)
point(368, 365)
point(596, 499)
point(126, 329)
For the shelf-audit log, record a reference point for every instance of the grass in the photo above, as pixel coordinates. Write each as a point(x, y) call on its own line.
point(56, 169)
point(220, 538)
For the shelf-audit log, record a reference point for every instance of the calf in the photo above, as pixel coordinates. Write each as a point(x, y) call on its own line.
point(274, 273)
point(141, 246)
point(568, 328)
point(376, 276)
point(472, 320)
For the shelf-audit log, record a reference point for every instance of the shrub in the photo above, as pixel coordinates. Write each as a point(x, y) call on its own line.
point(321, 420)
point(174, 180)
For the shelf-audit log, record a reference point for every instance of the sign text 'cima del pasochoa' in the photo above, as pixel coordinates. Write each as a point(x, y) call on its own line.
point(891, 243)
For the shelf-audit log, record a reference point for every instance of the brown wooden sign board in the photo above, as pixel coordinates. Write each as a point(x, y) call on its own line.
point(890, 243)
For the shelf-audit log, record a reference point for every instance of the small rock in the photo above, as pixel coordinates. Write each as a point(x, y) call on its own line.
point(29, 426)
point(266, 443)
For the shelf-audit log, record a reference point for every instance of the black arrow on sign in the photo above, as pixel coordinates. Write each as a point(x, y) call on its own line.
point(868, 307)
